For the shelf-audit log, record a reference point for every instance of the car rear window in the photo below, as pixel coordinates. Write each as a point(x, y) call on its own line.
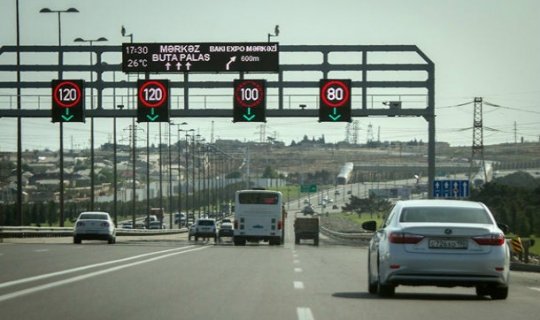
point(93, 216)
point(206, 222)
point(445, 214)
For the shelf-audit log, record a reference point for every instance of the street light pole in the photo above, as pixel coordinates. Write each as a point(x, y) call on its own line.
point(92, 156)
point(60, 66)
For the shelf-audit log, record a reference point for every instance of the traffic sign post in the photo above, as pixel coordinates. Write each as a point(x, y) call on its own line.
point(68, 101)
point(153, 100)
point(200, 57)
point(451, 189)
point(308, 188)
point(335, 96)
point(249, 101)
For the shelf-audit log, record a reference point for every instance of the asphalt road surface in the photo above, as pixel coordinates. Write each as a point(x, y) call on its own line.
point(169, 277)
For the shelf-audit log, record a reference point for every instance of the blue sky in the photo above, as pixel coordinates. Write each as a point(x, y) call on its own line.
point(481, 48)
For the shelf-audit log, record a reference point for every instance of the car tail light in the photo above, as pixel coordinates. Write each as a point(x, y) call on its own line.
point(490, 239)
point(105, 224)
point(80, 224)
point(279, 225)
point(236, 224)
point(405, 238)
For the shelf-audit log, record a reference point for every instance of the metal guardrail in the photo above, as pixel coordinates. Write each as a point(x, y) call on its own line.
point(362, 236)
point(49, 232)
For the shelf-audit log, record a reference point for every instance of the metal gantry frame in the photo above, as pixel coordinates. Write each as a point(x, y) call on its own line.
point(189, 83)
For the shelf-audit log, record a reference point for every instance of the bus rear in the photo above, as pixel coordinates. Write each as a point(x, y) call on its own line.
point(258, 217)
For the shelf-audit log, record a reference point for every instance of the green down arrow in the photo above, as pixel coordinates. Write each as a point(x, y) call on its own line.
point(249, 116)
point(335, 115)
point(67, 117)
point(152, 116)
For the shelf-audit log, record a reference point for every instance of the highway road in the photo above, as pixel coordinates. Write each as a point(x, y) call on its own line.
point(168, 277)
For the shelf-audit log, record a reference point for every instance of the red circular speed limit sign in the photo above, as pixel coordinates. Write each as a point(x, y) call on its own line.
point(67, 94)
point(152, 94)
point(249, 94)
point(335, 93)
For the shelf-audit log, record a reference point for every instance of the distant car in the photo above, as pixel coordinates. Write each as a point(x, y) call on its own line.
point(226, 229)
point(441, 243)
point(179, 218)
point(127, 225)
point(205, 228)
point(157, 225)
point(308, 210)
point(149, 219)
point(94, 225)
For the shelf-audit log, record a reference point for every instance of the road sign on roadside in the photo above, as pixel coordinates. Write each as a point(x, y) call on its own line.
point(308, 188)
point(451, 189)
point(200, 57)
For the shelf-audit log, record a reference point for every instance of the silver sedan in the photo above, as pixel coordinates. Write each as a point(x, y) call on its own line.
point(440, 243)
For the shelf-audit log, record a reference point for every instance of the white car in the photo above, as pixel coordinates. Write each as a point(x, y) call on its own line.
point(441, 243)
point(94, 225)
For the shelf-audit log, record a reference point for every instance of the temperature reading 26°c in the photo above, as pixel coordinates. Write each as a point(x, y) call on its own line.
point(135, 63)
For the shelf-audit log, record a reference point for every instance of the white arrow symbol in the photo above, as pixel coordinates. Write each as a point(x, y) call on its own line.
point(178, 66)
point(188, 65)
point(168, 65)
point(233, 59)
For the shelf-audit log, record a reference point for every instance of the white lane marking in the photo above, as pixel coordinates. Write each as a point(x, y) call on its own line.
point(41, 250)
point(298, 285)
point(304, 313)
point(59, 273)
point(534, 288)
point(89, 275)
point(297, 269)
point(296, 261)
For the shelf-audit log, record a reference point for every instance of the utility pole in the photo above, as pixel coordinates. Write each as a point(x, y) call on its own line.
point(477, 151)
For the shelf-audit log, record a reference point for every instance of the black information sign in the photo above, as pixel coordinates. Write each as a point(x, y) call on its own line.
point(249, 101)
point(200, 57)
point(67, 100)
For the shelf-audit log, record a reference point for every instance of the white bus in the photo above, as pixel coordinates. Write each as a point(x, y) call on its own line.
point(258, 216)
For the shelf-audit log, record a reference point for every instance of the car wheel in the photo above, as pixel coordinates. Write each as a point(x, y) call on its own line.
point(372, 286)
point(499, 293)
point(112, 240)
point(316, 241)
point(297, 240)
point(196, 238)
point(76, 240)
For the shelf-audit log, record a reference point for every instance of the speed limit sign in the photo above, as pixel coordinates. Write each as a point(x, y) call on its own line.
point(335, 96)
point(67, 100)
point(153, 101)
point(249, 101)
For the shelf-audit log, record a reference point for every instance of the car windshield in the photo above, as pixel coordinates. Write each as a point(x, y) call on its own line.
point(206, 222)
point(445, 214)
point(93, 216)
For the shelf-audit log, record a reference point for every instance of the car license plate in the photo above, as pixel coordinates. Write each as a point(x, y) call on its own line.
point(448, 243)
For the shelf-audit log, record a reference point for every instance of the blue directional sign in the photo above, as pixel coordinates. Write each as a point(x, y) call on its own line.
point(451, 189)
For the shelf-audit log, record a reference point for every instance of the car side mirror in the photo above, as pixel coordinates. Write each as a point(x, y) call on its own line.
point(369, 225)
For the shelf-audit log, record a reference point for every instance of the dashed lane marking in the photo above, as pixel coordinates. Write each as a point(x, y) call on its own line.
point(304, 313)
point(534, 288)
point(297, 269)
point(298, 285)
